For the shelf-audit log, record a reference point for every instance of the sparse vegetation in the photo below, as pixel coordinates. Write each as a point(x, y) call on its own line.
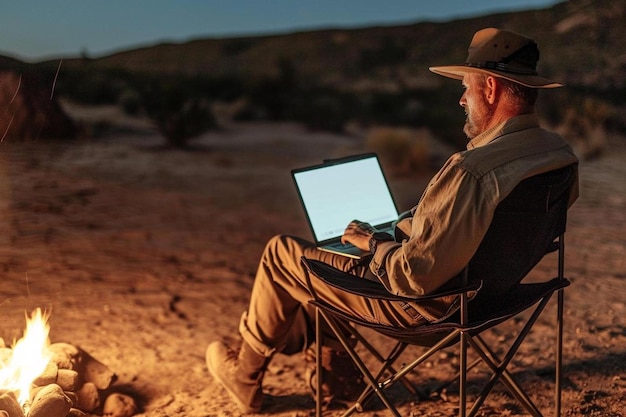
point(375, 76)
point(179, 111)
point(405, 150)
point(584, 125)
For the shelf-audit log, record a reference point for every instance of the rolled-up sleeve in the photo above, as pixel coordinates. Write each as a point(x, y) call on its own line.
point(446, 229)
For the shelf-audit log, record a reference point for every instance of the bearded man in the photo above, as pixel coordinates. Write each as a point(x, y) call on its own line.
point(431, 246)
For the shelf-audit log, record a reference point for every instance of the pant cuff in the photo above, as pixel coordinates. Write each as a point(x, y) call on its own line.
point(252, 341)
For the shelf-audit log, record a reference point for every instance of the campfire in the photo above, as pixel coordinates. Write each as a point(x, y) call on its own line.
point(39, 379)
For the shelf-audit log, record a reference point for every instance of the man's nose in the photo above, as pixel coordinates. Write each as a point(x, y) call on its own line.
point(462, 100)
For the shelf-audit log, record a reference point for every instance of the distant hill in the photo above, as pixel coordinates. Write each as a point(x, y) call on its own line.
point(582, 43)
point(8, 62)
point(334, 78)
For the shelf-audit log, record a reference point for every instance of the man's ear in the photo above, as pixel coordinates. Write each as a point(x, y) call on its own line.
point(491, 89)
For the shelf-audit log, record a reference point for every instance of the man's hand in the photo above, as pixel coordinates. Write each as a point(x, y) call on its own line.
point(358, 233)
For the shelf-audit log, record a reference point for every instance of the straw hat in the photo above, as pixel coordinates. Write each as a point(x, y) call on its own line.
point(501, 53)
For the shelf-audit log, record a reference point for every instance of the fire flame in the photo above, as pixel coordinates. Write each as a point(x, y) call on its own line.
point(29, 357)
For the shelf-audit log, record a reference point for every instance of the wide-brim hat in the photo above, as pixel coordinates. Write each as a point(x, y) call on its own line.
point(501, 53)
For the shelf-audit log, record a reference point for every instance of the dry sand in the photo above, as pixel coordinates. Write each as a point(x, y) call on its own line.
point(144, 255)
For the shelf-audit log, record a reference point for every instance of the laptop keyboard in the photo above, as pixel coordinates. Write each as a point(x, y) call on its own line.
point(339, 245)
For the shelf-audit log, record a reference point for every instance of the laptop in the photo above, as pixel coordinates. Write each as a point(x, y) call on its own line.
point(341, 190)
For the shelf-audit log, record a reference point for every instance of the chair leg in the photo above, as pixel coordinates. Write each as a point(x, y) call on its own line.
point(559, 332)
point(422, 358)
point(463, 374)
point(499, 369)
point(319, 316)
point(387, 363)
point(386, 366)
point(559, 354)
point(318, 363)
point(359, 363)
point(491, 359)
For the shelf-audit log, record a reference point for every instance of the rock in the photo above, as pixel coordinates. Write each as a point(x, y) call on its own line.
point(8, 403)
point(75, 412)
point(50, 401)
point(65, 356)
point(88, 398)
point(96, 372)
point(29, 109)
point(119, 405)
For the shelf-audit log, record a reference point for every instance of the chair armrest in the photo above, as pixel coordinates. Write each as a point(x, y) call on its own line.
point(364, 287)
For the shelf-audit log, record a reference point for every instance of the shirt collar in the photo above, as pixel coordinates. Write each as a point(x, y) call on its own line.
point(522, 122)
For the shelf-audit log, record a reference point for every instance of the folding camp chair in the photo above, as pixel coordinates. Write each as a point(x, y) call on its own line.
point(528, 224)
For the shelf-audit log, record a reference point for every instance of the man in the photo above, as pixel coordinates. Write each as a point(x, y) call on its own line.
point(506, 145)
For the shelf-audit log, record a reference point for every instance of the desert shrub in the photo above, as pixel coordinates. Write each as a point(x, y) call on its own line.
point(385, 108)
point(561, 106)
point(191, 119)
point(271, 99)
point(402, 149)
point(324, 110)
point(179, 110)
point(130, 102)
point(327, 109)
point(223, 88)
point(584, 125)
point(92, 85)
point(275, 97)
point(595, 111)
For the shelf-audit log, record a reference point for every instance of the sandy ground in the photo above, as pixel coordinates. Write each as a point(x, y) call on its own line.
point(144, 255)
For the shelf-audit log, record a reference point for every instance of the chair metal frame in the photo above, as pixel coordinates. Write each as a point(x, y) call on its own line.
point(464, 329)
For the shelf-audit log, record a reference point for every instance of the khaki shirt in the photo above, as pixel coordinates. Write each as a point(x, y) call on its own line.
point(457, 207)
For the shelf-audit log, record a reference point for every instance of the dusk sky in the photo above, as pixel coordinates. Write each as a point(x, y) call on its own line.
point(36, 29)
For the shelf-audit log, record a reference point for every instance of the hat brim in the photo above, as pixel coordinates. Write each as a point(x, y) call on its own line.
point(458, 71)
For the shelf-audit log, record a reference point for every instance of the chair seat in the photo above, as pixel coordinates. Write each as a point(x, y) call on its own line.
point(482, 316)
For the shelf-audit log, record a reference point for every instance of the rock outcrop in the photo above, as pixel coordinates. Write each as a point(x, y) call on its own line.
point(28, 109)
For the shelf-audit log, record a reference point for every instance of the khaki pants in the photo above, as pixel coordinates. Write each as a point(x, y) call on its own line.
point(277, 317)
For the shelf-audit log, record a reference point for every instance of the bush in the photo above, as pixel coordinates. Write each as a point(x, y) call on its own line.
point(130, 102)
point(584, 126)
point(92, 85)
point(178, 109)
point(404, 150)
point(320, 110)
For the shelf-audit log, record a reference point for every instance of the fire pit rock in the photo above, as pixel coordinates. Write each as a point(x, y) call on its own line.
point(72, 385)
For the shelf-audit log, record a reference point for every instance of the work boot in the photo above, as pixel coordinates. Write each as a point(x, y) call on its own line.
point(341, 380)
point(240, 373)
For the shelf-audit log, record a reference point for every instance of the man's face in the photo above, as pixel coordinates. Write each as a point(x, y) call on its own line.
point(477, 110)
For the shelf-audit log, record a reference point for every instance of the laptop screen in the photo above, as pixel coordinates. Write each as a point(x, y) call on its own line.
point(336, 193)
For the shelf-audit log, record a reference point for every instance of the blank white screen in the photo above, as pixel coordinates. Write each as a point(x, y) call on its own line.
point(334, 195)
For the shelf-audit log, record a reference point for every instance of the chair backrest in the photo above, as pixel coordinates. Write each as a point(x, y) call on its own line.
point(525, 225)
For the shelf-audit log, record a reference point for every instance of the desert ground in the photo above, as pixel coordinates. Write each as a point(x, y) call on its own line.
point(143, 255)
